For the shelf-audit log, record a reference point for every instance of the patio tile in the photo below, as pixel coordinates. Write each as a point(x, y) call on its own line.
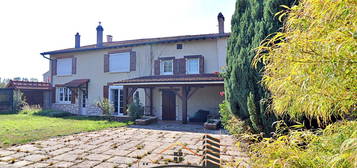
point(35, 157)
point(98, 157)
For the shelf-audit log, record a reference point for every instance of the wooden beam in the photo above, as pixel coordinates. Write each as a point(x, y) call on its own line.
point(151, 101)
point(185, 91)
point(193, 91)
point(125, 99)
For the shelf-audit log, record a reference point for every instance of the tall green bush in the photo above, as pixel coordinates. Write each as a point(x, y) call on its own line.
point(311, 67)
point(252, 22)
point(19, 100)
point(135, 109)
point(106, 107)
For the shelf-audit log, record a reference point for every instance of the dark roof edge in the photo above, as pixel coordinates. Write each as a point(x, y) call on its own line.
point(198, 37)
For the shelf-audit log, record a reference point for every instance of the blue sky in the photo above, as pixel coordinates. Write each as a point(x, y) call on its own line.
point(28, 28)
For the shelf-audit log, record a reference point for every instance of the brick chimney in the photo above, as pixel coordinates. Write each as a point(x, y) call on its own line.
point(109, 38)
point(220, 18)
point(100, 35)
point(77, 41)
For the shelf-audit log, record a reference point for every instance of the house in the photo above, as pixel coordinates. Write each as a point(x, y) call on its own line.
point(174, 77)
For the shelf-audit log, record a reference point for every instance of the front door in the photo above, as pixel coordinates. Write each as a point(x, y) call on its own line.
point(83, 103)
point(168, 105)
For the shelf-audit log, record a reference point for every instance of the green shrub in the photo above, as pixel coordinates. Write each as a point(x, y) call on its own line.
point(106, 107)
point(232, 124)
point(253, 115)
point(37, 110)
point(31, 110)
point(19, 100)
point(135, 109)
point(335, 146)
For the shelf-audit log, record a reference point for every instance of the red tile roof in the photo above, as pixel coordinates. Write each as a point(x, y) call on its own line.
point(136, 42)
point(25, 85)
point(174, 78)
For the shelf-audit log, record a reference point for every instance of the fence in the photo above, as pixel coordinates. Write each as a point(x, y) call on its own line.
point(6, 100)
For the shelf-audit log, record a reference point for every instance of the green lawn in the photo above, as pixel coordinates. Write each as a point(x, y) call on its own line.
point(20, 128)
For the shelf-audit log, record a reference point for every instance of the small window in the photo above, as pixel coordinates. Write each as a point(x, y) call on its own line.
point(166, 67)
point(119, 62)
point(64, 66)
point(192, 66)
point(64, 95)
point(179, 46)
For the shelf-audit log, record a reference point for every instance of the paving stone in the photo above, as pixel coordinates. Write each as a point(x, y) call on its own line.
point(19, 154)
point(7, 158)
point(35, 157)
point(5, 152)
point(21, 163)
point(86, 164)
point(60, 151)
point(122, 160)
point(63, 164)
point(97, 157)
point(106, 165)
point(117, 152)
point(38, 165)
point(67, 157)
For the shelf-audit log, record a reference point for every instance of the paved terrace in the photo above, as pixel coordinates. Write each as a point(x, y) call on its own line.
point(132, 146)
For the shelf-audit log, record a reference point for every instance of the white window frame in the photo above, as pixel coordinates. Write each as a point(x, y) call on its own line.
point(188, 66)
point(119, 62)
point(64, 66)
point(120, 89)
point(162, 63)
point(66, 94)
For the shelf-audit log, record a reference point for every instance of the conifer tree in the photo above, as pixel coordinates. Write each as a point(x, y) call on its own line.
point(252, 22)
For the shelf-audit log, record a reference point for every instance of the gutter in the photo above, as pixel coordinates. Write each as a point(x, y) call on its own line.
point(43, 55)
point(168, 83)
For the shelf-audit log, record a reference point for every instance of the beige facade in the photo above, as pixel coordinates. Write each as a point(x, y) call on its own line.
point(90, 65)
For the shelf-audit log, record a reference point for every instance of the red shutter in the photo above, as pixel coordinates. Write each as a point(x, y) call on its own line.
point(157, 67)
point(106, 62)
point(202, 65)
point(175, 66)
point(133, 61)
point(53, 98)
point(74, 95)
point(74, 65)
point(105, 92)
point(54, 67)
point(182, 65)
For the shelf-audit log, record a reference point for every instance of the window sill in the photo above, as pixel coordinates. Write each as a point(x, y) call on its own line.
point(61, 103)
point(166, 73)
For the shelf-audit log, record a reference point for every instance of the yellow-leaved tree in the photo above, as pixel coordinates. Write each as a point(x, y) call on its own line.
point(311, 66)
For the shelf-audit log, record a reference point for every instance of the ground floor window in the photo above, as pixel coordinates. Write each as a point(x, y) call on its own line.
point(64, 95)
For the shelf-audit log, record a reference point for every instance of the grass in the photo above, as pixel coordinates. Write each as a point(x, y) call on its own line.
point(23, 128)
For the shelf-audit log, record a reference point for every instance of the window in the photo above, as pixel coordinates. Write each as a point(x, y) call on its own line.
point(179, 46)
point(64, 95)
point(192, 66)
point(116, 97)
point(166, 67)
point(119, 62)
point(64, 66)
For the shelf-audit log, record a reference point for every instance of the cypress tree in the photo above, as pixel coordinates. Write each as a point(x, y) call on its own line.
point(252, 22)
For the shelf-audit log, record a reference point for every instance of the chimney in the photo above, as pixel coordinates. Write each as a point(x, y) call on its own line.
point(109, 38)
point(99, 35)
point(77, 41)
point(220, 18)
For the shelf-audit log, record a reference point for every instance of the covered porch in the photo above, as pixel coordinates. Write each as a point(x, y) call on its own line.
point(175, 97)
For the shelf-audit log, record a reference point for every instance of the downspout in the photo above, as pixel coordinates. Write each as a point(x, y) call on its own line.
point(51, 82)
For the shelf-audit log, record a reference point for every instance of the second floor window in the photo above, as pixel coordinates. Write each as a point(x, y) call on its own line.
point(192, 66)
point(64, 66)
point(166, 67)
point(64, 95)
point(119, 62)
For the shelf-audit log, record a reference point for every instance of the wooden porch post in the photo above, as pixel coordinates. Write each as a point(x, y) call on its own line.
point(185, 92)
point(125, 98)
point(151, 102)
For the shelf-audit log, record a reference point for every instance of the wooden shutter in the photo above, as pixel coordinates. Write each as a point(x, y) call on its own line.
point(74, 65)
point(175, 66)
point(202, 65)
point(54, 67)
point(74, 95)
point(181, 65)
point(105, 92)
point(157, 67)
point(132, 61)
point(53, 93)
point(106, 62)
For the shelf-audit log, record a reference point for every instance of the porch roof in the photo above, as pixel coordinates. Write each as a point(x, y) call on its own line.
point(76, 83)
point(184, 79)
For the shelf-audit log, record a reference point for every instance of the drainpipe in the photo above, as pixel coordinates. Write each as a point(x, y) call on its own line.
point(51, 82)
